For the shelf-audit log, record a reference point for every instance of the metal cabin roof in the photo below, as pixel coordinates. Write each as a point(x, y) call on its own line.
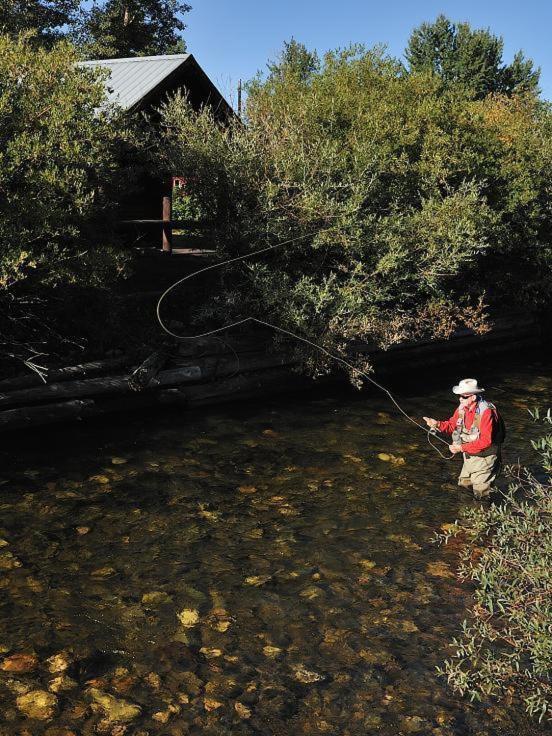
point(132, 79)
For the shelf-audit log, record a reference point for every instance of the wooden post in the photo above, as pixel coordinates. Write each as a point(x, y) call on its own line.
point(167, 218)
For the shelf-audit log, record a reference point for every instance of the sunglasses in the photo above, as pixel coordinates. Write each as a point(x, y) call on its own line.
point(465, 397)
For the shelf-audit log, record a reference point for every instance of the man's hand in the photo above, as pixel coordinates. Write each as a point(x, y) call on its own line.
point(455, 449)
point(430, 422)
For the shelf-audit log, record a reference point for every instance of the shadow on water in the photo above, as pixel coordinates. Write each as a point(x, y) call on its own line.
point(252, 569)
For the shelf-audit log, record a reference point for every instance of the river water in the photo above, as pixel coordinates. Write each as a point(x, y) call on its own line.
point(250, 569)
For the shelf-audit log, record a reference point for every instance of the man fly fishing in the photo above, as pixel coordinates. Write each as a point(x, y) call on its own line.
point(478, 432)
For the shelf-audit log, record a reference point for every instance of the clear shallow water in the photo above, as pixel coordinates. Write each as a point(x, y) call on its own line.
point(312, 600)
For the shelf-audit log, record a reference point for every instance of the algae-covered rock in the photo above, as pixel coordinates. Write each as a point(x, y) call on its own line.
point(115, 709)
point(191, 683)
point(17, 687)
point(8, 561)
point(37, 704)
point(156, 598)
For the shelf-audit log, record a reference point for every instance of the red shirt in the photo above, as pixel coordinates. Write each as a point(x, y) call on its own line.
point(487, 427)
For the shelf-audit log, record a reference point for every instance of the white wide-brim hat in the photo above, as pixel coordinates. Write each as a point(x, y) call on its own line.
point(467, 386)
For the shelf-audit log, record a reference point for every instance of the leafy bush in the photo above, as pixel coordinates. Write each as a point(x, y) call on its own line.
point(506, 648)
point(408, 202)
point(60, 154)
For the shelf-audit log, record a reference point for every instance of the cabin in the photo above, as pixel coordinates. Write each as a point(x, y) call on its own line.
point(139, 85)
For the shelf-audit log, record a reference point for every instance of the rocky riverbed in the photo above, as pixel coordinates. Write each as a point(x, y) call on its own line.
point(262, 569)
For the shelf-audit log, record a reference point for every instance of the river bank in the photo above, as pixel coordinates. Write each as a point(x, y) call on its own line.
point(231, 368)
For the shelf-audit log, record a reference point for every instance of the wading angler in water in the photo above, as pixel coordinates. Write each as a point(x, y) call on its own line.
point(477, 431)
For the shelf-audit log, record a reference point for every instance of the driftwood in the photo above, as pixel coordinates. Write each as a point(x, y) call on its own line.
point(68, 373)
point(141, 377)
point(209, 369)
point(93, 387)
point(34, 416)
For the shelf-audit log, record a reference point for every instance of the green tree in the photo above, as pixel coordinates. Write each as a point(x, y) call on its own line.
point(296, 59)
point(123, 28)
point(47, 17)
point(408, 201)
point(471, 57)
point(60, 153)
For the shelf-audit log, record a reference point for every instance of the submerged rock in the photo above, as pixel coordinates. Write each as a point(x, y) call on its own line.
point(37, 704)
point(62, 683)
point(156, 598)
point(115, 709)
point(188, 617)
point(17, 687)
point(212, 704)
point(20, 663)
point(270, 651)
point(242, 710)
point(58, 662)
point(302, 674)
point(9, 561)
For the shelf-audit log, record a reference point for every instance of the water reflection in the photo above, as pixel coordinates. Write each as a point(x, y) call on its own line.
point(263, 569)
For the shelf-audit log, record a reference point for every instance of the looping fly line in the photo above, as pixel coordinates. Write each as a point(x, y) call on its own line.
point(430, 433)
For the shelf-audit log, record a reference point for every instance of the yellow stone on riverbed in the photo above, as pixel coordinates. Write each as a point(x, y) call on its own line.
point(115, 709)
point(156, 598)
point(212, 704)
point(188, 617)
point(247, 490)
point(242, 710)
point(118, 460)
point(368, 564)
point(270, 651)
point(257, 579)
point(211, 652)
point(440, 570)
point(387, 458)
point(37, 704)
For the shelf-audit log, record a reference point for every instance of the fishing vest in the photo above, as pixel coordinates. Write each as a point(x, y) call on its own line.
point(465, 435)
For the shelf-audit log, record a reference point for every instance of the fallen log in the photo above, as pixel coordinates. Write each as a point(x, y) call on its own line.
point(68, 373)
point(92, 387)
point(34, 416)
point(141, 377)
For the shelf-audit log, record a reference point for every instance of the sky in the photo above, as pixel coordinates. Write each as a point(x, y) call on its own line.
point(233, 39)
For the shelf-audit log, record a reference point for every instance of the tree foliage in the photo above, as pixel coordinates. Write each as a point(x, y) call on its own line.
point(408, 202)
point(46, 17)
point(506, 647)
point(471, 57)
point(123, 28)
point(59, 162)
